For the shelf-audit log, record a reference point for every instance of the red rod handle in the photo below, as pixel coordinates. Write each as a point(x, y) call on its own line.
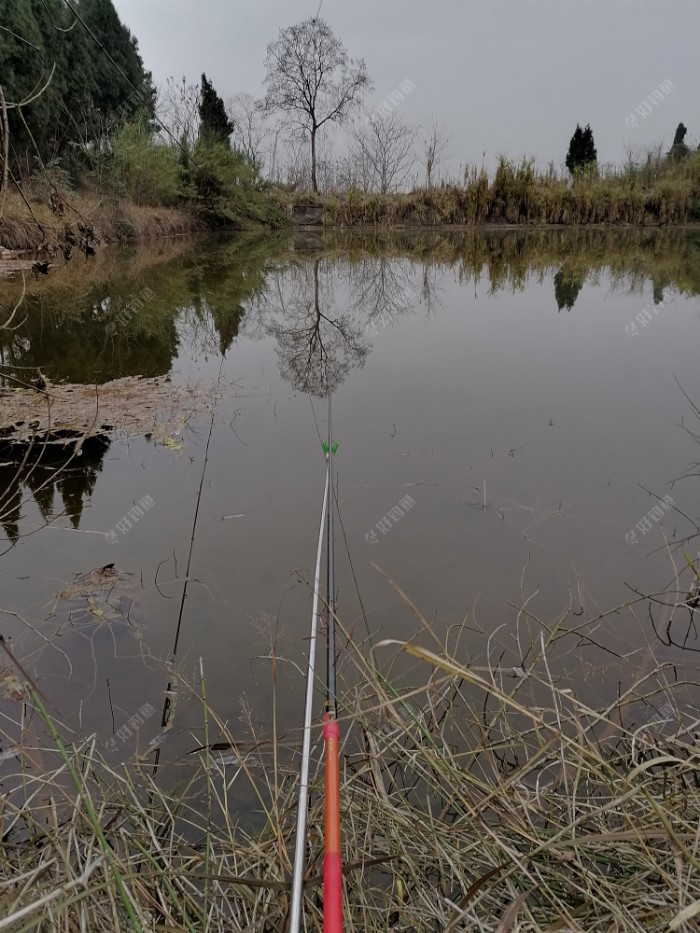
point(332, 864)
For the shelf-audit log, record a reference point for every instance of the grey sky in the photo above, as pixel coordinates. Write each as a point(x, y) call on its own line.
point(510, 76)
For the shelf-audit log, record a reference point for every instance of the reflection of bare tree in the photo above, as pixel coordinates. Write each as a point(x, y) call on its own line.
point(316, 347)
point(386, 289)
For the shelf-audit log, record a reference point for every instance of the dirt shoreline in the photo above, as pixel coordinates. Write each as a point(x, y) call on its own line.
point(83, 223)
point(31, 228)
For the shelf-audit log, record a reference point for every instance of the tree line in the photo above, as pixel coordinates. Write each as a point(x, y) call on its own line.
point(78, 95)
point(63, 67)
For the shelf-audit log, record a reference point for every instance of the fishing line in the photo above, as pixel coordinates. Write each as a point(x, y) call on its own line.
point(331, 696)
point(354, 575)
point(167, 704)
point(345, 538)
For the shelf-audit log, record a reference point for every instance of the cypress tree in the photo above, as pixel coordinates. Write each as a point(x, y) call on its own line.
point(589, 154)
point(216, 124)
point(23, 65)
point(679, 150)
point(582, 151)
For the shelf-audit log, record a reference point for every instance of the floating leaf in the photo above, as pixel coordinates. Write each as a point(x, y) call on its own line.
point(11, 686)
point(72, 413)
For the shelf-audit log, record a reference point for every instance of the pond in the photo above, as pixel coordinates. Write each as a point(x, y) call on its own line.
point(515, 417)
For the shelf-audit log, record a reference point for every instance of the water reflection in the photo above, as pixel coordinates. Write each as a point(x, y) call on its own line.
point(320, 308)
point(387, 289)
point(321, 299)
point(98, 331)
point(567, 285)
point(43, 475)
point(318, 343)
point(520, 418)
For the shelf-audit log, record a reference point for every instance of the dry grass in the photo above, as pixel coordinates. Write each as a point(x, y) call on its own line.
point(489, 798)
point(661, 192)
point(30, 222)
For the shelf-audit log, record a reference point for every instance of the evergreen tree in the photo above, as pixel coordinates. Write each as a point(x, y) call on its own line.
point(110, 91)
point(679, 150)
point(85, 92)
point(215, 125)
point(582, 151)
point(23, 65)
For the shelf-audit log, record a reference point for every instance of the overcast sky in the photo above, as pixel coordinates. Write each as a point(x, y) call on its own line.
point(504, 76)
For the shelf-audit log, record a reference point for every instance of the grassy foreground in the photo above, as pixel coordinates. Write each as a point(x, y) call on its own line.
point(483, 799)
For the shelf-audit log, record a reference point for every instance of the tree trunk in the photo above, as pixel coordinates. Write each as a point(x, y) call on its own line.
point(5, 152)
point(317, 301)
point(314, 183)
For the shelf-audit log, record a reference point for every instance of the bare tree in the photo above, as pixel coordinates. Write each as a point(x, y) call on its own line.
point(251, 130)
point(382, 147)
point(295, 164)
point(312, 80)
point(434, 147)
point(177, 106)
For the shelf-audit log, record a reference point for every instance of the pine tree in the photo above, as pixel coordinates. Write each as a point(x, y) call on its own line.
point(582, 151)
point(215, 125)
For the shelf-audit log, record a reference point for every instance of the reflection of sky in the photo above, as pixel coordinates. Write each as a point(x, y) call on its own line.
point(443, 404)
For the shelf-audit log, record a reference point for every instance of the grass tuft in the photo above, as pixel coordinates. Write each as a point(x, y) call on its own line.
point(473, 799)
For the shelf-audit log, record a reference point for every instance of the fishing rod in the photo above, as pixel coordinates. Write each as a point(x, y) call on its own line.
point(332, 864)
point(302, 804)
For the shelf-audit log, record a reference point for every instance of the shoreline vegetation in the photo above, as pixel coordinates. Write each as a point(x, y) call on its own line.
point(474, 798)
point(49, 218)
point(101, 155)
point(660, 192)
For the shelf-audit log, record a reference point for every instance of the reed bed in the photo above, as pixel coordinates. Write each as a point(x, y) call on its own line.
point(659, 192)
point(487, 798)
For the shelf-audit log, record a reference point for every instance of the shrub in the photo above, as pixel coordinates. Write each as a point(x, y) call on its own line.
point(149, 171)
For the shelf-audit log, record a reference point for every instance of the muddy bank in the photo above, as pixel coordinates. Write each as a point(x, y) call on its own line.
point(80, 223)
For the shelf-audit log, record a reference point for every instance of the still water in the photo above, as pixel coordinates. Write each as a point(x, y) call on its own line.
point(510, 414)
